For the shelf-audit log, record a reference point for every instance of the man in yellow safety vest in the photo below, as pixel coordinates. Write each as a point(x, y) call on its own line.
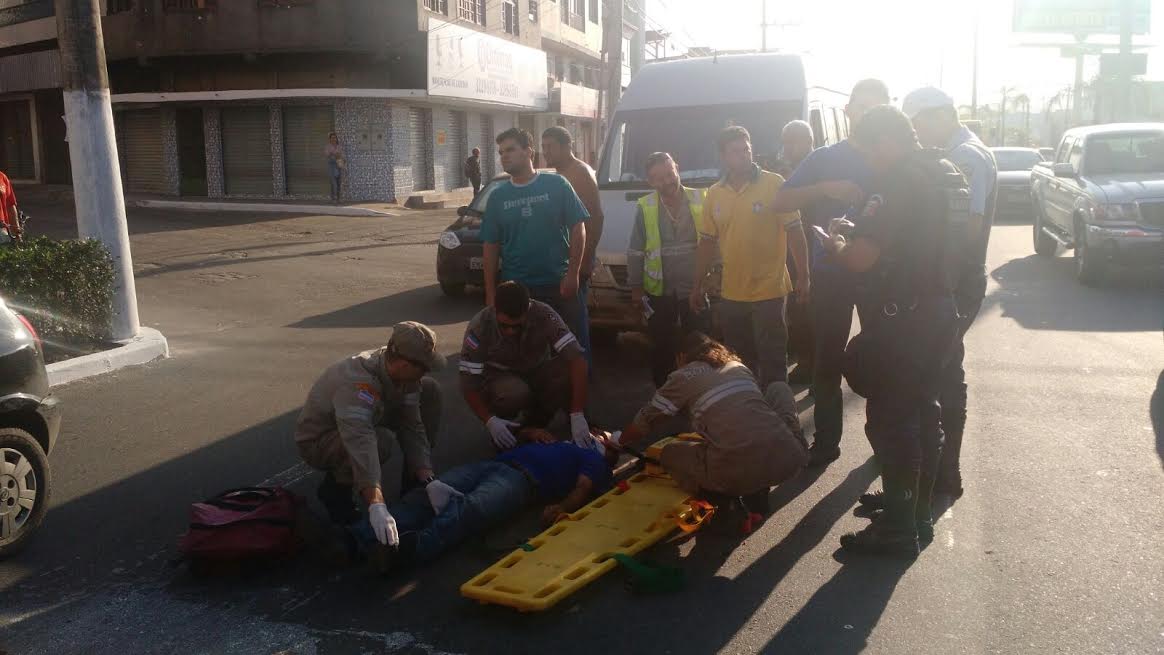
point(661, 261)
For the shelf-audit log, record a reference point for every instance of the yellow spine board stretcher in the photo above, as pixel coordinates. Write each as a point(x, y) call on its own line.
point(575, 551)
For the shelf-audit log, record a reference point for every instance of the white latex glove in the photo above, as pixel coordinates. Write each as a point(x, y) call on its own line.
point(439, 495)
point(580, 430)
point(501, 432)
point(616, 437)
point(383, 524)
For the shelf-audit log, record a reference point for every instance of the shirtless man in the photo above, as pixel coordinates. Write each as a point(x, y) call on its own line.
point(557, 146)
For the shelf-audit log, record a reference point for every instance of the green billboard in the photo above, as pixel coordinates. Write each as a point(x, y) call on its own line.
point(1078, 16)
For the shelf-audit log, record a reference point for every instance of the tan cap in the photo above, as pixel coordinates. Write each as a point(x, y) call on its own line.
point(416, 342)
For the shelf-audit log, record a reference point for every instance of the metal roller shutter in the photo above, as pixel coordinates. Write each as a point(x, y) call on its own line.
point(246, 151)
point(420, 136)
point(16, 156)
point(141, 145)
point(305, 131)
point(488, 150)
point(455, 177)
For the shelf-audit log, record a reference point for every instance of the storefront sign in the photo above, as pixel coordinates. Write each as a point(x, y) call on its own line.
point(465, 63)
point(578, 101)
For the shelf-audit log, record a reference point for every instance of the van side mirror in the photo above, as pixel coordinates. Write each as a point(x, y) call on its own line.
point(1063, 169)
point(466, 210)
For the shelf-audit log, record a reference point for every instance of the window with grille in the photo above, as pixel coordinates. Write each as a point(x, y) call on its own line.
point(574, 14)
point(593, 15)
point(439, 6)
point(471, 10)
point(189, 5)
point(509, 16)
point(533, 11)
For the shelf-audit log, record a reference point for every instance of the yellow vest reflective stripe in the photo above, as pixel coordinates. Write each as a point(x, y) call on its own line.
point(653, 261)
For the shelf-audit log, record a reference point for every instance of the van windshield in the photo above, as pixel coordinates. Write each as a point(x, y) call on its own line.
point(689, 134)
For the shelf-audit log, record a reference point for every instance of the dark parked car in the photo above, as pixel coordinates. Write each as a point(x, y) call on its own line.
point(29, 422)
point(1014, 180)
point(459, 260)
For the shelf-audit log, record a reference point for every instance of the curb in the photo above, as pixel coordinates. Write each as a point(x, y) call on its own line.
point(147, 346)
point(326, 210)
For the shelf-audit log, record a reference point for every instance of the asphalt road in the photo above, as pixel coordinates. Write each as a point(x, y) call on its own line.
point(1056, 547)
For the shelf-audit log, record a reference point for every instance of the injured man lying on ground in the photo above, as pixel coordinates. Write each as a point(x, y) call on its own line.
point(482, 495)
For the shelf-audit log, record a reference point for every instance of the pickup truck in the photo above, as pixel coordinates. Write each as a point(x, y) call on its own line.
point(1103, 197)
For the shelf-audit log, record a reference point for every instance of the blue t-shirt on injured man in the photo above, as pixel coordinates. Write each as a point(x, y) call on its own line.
point(556, 467)
point(532, 224)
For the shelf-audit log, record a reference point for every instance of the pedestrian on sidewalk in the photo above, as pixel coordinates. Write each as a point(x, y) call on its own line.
point(558, 148)
point(473, 170)
point(356, 410)
point(336, 165)
point(534, 232)
point(829, 183)
point(520, 365)
point(754, 241)
point(9, 214)
point(661, 262)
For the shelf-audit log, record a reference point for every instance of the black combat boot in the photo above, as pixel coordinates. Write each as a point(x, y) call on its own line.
point(337, 500)
point(923, 513)
point(894, 533)
point(949, 482)
point(872, 500)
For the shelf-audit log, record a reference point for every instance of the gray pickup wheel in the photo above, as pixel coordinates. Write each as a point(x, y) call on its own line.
point(1090, 269)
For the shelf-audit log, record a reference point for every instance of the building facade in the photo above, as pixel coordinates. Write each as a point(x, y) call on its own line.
point(231, 99)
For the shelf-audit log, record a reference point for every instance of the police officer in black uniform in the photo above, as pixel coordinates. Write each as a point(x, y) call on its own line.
point(903, 242)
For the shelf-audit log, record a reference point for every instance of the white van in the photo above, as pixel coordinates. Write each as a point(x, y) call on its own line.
point(680, 107)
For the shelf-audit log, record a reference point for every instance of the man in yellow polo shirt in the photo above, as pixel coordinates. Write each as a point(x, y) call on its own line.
point(754, 241)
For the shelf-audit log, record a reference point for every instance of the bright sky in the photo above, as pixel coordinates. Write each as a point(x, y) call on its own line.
point(907, 43)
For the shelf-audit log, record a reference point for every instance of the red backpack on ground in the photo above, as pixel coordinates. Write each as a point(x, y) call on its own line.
point(242, 524)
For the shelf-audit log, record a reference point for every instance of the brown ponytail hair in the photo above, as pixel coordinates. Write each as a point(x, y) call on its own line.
point(698, 347)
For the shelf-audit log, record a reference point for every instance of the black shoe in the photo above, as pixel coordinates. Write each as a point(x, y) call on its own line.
point(337, 500)
point(925, 529)
point(951, 487)
point(732, 517)
point(385, 560)
point(800, 376)
point(821, 456)
point(881, 538)
point(757, 503)
point(872, 500)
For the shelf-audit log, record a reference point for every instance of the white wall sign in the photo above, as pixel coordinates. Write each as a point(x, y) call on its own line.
point(465, 63)
point(579, 101)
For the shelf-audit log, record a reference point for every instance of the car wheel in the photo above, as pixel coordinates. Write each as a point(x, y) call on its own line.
point(453, 289)
point(1089, 269)
point(24, 489)
point(1045, 244)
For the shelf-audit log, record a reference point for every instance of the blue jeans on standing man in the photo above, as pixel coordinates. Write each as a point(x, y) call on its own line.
point(572, 310)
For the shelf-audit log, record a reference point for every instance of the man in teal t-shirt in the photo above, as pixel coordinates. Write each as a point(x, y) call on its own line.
point(533, 231)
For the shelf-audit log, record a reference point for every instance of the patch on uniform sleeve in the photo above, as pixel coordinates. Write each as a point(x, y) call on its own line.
point(873, 205)
point(471, 341)
point(367, 394)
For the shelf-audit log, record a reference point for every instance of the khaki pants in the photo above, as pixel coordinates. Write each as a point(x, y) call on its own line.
point(539, 393)
point(327, 453)
point(702, 466)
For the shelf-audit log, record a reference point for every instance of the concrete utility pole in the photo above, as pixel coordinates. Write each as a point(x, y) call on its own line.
point(614, 59)
point(974, 74)
point(1077, 90)
point(93, 150)
point(763, 25)
point(1123, 95)
point(1002, 119)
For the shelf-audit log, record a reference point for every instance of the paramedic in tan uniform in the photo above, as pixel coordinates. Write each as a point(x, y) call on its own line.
point(354, 412)
point(751, 441)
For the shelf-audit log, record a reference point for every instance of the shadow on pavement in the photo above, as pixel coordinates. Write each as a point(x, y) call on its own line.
point(1042, 294)
point(426, 305)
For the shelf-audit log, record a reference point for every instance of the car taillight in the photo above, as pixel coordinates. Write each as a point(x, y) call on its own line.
point(32, 331)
